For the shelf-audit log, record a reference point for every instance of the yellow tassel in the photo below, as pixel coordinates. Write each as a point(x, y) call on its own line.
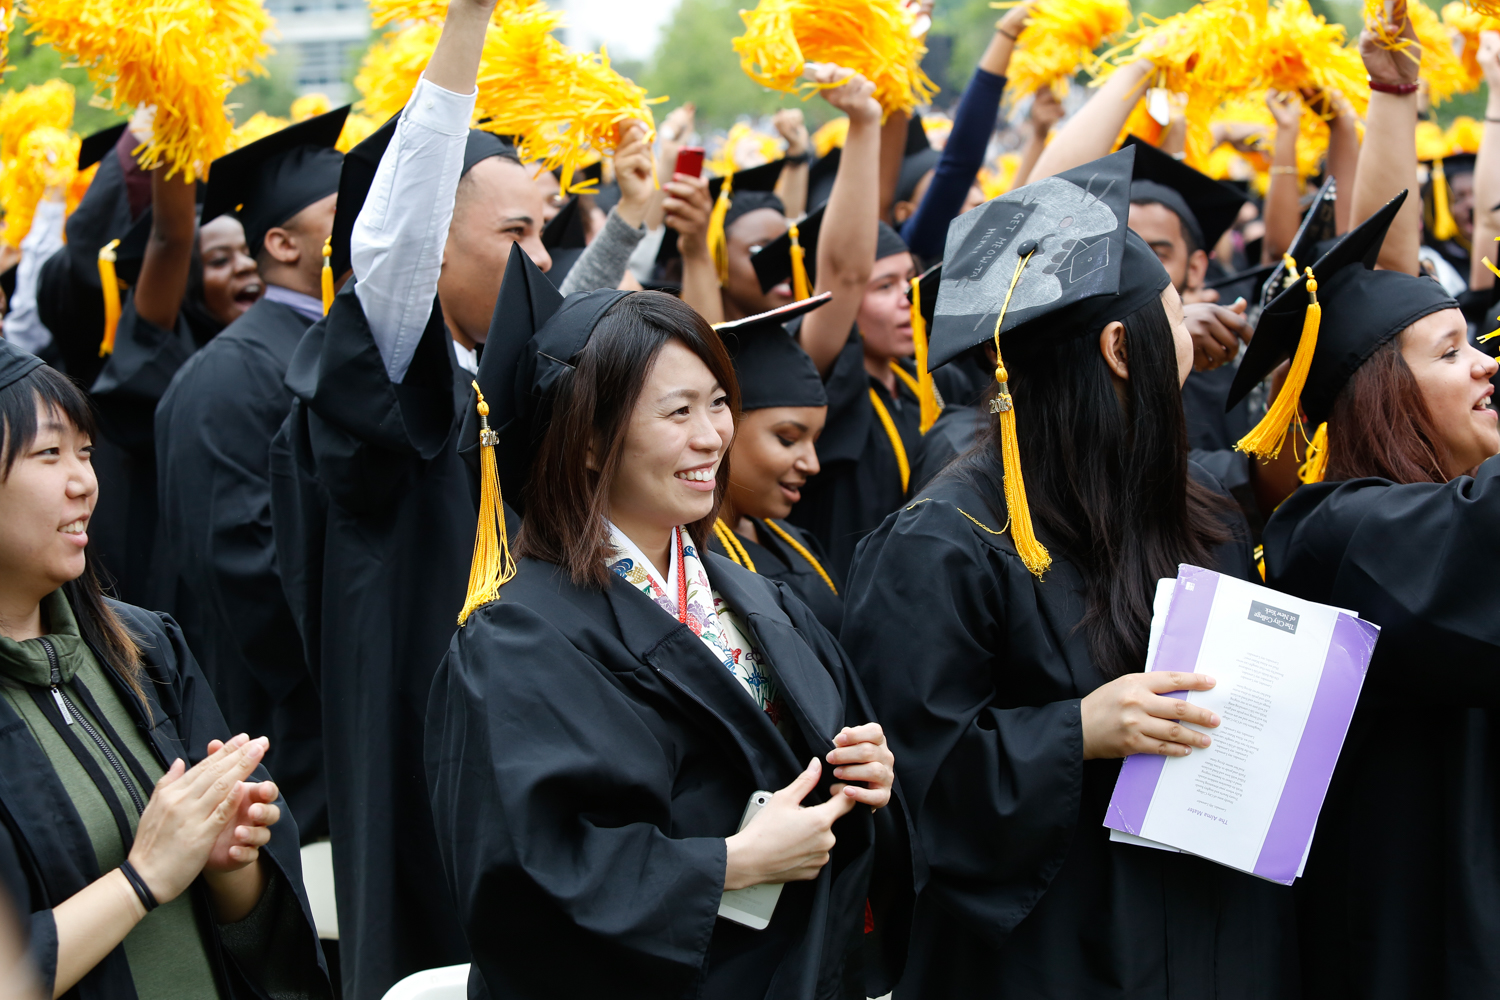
point(800, 287)
point(1313, 470)
point(1032, 552)
point(718, 246)
point(493, 566)
point(1266, 438)
point(1443, 226)
point(327, 275)
point(111, 286)
point(926, 394)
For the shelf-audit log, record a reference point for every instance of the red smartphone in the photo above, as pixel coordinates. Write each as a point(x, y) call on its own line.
point(689, 161)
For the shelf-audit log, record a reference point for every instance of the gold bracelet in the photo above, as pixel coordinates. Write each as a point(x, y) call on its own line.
point(1283, 170)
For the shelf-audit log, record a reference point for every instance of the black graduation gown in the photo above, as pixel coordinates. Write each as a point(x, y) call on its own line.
point(215, 569)
point(775, 559)
point(1401, 897)
point(860, 482)
point(956, 430)
point(374, 515)
point(45, 852)
point(587, 755)
point(134, 378)
point(1213, 433)
point(977, 670)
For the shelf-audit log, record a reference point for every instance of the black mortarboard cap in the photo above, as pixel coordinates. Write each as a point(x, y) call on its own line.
point(759, 182)
point(927, 286)
point(15, 364)
point(1087, 267)
point(773, 262)
point(94, 147)
point(772, 369)
point(266, 183)
point(820, 178)
point(916, 159)
point(1206, 207)
point(1361, 309)
point(563, 238)
point(8, 282)
point(1318, 227)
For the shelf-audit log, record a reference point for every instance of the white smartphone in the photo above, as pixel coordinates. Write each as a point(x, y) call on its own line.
point(754, 905)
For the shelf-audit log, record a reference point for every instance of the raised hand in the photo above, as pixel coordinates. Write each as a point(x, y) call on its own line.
point(633, 172)
point(1389, 66)
point(854, 96)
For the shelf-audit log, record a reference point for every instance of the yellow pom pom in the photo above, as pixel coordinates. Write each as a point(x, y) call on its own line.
point(1298, 50)
point(180, 56)
point(310, 106)
point(257, 126)
point(357, 129)
point(830, 136)
point(47, 158)
point(1442, 69)
point(1464, 134)
point(1060, 39)
point(388, 74)
point(871, 37)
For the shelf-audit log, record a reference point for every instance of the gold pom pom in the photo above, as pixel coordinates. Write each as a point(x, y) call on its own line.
point(310, 106)
point(257, 126)
point(872, 37)
point(1060, 39)
point(357, 128)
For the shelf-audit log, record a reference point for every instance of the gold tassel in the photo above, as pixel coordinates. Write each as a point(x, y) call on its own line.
point(800, 287)
point(111, 286)
point(1443, 226)
point(1032, 552)
point(926, 395)
point(1266, 438)
point(1316, 466)
point(327, 275)
point(493, 566)
point(718, 246)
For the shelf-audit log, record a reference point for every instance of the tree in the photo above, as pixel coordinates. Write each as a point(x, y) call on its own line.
point(30, 63)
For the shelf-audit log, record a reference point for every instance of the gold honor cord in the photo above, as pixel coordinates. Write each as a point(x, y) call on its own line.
point(732, 545)
point(895, 436)
point(1032, 552)
point(801, 550)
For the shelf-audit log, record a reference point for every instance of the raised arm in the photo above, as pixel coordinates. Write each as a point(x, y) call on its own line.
point(686, 209)
point(1343, 159)
point(169, 252)
point(1283, 209)
point(846, 244)
point(1388, 159)
point(1091, 131)
point(398, 239)
point(791, 187)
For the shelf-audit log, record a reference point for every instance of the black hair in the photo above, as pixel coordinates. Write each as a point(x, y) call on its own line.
point(1187, 231)
point(98, 623)
point(1107, 482)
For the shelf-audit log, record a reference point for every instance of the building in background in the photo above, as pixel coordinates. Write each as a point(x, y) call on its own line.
point(319, 39)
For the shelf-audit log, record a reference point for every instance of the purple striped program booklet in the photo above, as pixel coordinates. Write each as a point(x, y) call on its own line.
point(1289, 673)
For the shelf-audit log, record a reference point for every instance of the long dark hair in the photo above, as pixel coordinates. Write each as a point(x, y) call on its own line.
point(97, 621)
point(567, 504)
point(1108, 485)
point(1380, 424)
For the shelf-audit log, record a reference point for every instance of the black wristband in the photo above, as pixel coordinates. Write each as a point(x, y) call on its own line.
point(142, 890)
point(801, 157)
point(1489, 119)
point(1013, 38)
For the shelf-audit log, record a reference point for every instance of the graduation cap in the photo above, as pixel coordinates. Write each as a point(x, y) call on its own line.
point(15, 364)
point(1052, 259)
point(1329, 324)
point(94, 147)
point(358, 173)
point(266, 183)
point(772, 369)
point(924, 291)
point(733, 196)
point(8, 282)
point(535, 335)
point(1437, 213)
point(777, 261)
point(1317, 229)
point(820, 177)
point(916, 159)
point(563, 237)
point(1206, 207)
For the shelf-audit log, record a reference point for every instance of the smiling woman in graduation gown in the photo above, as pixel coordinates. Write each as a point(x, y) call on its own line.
point(595, 733)
point(1401, 896)
point(1000, 627)
point(776, 456)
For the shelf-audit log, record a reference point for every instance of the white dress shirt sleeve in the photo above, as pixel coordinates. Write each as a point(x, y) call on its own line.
point(397, 245)
point(23, 325)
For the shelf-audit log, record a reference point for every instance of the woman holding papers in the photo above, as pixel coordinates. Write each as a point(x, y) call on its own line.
point(1397, 522)
point(597, 729)
point(1000, 625)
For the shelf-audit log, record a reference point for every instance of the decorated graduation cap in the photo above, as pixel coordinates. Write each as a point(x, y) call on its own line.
point(15, 364)
point(1054, 258)
point(1329, 323)
point(267, 182)
point(94, 147)
point(772, 369)
point(534, 338)
point(1206, 207)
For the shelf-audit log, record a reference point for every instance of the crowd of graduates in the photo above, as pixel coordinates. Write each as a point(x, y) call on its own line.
point(507, 488)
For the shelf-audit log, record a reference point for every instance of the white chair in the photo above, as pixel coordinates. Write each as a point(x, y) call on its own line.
point(448, 983)
point(317, 877)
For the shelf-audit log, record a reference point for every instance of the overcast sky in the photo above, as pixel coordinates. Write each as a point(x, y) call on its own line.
point(628, 27)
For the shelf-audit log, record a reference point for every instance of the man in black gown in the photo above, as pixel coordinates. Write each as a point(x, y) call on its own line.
point(215, 569)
